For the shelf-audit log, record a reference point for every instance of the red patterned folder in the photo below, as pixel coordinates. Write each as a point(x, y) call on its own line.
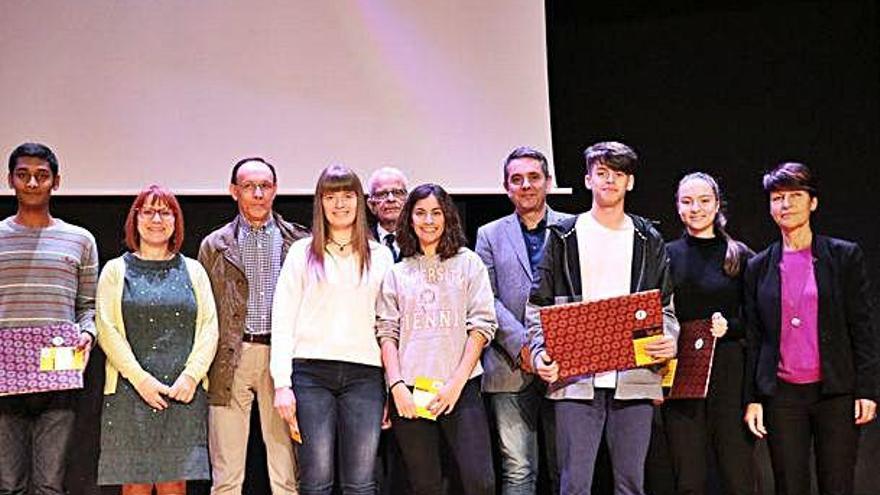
point(593, 336)
point(20, 359)
point(696, 348)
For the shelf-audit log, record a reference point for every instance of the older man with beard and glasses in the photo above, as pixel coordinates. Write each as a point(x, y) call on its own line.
point(387, 192)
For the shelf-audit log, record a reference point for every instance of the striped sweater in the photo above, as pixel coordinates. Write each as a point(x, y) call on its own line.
point(47, 275)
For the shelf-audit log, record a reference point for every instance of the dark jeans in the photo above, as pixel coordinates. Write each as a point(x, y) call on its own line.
point(339, 409)
point(518, 416)
point(466, 431)
point(35, 432)
point(580, 426)
point(694, 426)
point(799, 417)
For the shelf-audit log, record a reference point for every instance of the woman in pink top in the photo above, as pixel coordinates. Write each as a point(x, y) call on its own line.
point(811, 360)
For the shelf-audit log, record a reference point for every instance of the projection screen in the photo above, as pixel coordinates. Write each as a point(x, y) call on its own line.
point(130, 92)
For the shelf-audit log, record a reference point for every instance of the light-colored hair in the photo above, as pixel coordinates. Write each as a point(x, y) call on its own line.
point(379, 172)
point(338, 178)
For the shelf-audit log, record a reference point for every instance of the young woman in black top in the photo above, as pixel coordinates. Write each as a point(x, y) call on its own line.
point(707, 267)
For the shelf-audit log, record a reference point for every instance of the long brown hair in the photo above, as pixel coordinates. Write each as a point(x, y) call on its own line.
point(451, 240)
point(734, 256)
point(338, 178)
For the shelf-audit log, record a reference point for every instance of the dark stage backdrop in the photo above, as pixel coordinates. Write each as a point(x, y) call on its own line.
point(731, 89)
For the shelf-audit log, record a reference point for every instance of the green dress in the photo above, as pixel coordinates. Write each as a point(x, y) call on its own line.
point(138, 444)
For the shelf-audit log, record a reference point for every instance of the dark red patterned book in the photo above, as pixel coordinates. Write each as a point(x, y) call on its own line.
point(39, 359)
point(696, 349)
point(601, 335)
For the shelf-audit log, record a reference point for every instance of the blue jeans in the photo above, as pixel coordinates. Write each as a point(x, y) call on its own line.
point(35, 431)
point(580, 425)
point(339, 409)
point(518, 416)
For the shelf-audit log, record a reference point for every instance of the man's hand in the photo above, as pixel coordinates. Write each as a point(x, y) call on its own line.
point(661, 348)
point(547, 368)
point(85, 344)
point(446, 398)
point(184, 389)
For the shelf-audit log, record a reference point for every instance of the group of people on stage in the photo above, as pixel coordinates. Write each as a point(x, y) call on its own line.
point(330, 329)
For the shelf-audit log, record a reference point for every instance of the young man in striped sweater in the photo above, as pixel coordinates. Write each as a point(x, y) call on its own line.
point(49, 271)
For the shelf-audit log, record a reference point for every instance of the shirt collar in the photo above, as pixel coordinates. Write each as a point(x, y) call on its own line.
point(247, 228)
point(381, 233)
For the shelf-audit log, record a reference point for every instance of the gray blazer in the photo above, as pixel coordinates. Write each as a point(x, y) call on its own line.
point(501, 246)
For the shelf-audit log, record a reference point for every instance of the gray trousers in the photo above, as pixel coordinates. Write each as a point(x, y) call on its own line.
point(580, 425)
point(35, 432)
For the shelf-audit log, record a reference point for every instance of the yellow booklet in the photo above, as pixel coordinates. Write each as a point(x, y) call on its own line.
point(668, 372)
point(639, 342)
point(424, 391)
point(62, 359)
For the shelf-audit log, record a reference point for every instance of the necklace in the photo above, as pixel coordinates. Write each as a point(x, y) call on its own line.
point(794, 303)
point(340, 245)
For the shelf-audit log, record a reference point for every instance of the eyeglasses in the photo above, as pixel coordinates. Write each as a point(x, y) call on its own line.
point(388, 195)
point(251, 187)
point(148, 213)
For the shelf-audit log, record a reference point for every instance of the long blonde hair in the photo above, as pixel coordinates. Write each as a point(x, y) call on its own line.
point(338, 178)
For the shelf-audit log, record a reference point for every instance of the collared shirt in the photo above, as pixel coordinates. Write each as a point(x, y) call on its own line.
point(261, 256)
point(382, 235)
point(534, 239)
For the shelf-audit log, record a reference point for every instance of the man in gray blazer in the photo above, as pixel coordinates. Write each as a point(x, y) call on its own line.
point(511, 248)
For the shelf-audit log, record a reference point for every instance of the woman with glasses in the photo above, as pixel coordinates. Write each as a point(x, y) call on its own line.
point(325, 360)
point(157, 325)
point(812, 358)
point(435, 314)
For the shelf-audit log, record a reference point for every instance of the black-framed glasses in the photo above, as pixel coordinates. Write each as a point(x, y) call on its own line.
point(388, 195)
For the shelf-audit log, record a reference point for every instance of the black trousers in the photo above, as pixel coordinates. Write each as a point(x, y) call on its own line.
point(693, 427)
point(798, 417)
point(466, 432)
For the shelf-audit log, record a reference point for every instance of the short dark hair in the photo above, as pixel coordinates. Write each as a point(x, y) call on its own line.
point(791, 176)
point(238, 164)
point(453, 237)
point(35, 150)
point(614, 155)
point(526, 152)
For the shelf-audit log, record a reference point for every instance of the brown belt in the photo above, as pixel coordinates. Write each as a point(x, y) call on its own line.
point(257, 338)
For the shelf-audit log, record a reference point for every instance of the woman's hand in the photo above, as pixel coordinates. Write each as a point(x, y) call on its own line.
point(447, 396)
point(151, 391)
point(754, 419)
point(719, 325)
point(866, 411)
point(661, 348)
point(403, 401)
point(184, 389)
point(285, 404)
point(546, 368)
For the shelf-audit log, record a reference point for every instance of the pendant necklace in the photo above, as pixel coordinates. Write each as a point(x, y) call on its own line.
point(340, 245)
point(795, 304)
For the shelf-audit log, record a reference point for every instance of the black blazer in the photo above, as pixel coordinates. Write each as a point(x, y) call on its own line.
point(848, 346)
